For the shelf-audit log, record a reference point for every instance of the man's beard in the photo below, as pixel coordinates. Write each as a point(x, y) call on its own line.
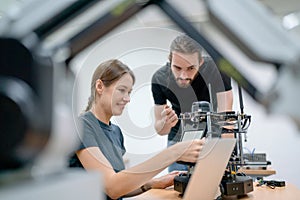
point(183, 85)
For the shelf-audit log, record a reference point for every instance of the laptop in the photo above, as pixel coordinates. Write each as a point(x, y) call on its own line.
point(209, 169)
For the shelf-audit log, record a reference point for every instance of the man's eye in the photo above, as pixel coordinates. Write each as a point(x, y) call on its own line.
point(192, 68)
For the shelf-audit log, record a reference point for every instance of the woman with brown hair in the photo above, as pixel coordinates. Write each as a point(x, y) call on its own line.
point(102, 144)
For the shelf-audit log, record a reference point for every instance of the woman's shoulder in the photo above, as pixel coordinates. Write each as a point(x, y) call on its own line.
point(87, 117)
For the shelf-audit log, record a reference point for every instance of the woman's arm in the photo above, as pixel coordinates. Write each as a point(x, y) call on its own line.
point(156, 183)
point(119, 184)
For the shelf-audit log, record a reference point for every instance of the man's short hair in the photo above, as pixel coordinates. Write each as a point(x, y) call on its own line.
point(186, 45)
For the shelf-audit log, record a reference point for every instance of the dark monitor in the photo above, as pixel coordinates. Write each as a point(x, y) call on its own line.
point(192, 134)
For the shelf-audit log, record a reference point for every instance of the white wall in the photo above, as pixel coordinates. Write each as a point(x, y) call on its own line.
point(144, 50)
point(144, 54)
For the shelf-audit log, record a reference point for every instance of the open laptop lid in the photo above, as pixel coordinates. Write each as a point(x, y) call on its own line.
point(209, 169)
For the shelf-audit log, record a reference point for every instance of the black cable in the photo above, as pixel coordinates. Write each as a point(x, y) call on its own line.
point(241, 99)
point(271, 184)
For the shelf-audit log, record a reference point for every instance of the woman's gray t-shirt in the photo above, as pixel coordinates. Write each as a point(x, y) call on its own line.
point(108, 138)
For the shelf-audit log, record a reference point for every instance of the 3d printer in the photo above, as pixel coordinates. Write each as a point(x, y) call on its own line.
point(201, 122)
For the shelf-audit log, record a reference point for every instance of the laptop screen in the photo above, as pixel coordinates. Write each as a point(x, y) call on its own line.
point(209, 169)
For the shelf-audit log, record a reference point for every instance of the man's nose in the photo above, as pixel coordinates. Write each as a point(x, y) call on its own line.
point(183, 75)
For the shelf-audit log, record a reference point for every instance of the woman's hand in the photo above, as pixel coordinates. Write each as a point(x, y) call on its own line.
point(188, 151)
point(165, 181)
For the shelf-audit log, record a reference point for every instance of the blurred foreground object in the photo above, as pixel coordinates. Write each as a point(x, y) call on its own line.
point(37, 129)
point(25, 104)
point(256, 31)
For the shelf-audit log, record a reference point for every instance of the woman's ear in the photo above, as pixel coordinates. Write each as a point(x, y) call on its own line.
point(99, 86)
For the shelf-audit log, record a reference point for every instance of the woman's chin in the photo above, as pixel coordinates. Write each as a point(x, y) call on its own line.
point(117, 112)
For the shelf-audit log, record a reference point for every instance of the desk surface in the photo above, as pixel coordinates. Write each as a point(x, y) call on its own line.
point(257, 172)
point(289, 192)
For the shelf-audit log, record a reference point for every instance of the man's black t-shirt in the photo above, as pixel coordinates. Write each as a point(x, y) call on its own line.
point(164, 87)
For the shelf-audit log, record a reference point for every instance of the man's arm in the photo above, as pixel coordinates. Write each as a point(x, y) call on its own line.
point(165, 119)
point(225, 101)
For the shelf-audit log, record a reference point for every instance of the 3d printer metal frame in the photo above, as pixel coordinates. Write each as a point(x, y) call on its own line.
point(216, 123)
point(233, 183)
